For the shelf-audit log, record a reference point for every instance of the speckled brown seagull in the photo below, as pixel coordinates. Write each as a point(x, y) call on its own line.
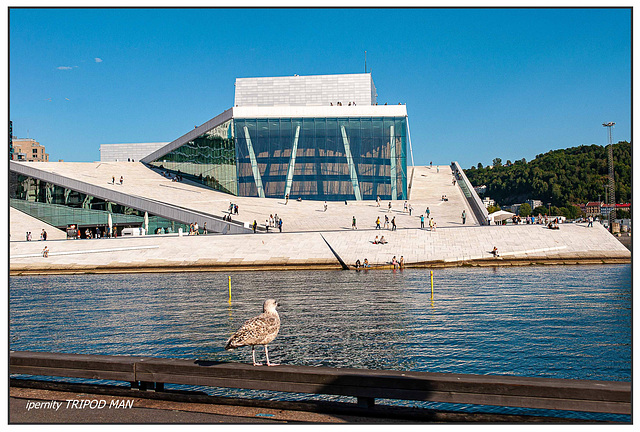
point(259, 330)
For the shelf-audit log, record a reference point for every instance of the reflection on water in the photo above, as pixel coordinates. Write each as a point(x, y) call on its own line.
point(560, 321)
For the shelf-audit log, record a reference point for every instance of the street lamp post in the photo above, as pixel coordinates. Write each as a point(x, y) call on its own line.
point(612, 185)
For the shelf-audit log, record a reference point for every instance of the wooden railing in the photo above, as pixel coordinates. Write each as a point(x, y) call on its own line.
point(367, 385)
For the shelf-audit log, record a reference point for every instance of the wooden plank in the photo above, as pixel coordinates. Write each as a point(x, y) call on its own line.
point(74, 373)
point(419, 381)
point(392, 393)
point(78, 361)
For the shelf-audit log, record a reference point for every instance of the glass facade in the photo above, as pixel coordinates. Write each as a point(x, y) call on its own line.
point(209, 159)
point(322, 158)
point(61, 207)
point(331, 159)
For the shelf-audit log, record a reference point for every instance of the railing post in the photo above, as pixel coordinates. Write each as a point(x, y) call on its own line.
point(366, 402)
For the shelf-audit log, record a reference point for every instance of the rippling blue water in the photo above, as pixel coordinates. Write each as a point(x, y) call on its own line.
point(557, 321)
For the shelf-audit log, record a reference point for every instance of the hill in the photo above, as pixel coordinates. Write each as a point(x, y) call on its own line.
point(561, 177)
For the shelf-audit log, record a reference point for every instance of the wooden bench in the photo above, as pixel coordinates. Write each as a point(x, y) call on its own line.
point(366, 385)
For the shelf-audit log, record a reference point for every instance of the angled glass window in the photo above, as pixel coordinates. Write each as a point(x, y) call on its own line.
point(209, 159)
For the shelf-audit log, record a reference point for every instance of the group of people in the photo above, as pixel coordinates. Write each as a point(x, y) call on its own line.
point(432, 223)
point(43, 235)
point(174, 178)
point(194, 229)
point(386, 223)
point(233, 208)
point(365, 264)
point(113, 179)
point(397, 263)
point(273, 222)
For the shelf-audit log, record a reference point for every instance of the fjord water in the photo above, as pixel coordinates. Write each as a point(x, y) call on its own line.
point(537, 321)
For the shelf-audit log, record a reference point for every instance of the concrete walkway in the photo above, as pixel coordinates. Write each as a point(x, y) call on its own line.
point(21, 222)
point(429, 184)
point(572, 243)
point(311, 237)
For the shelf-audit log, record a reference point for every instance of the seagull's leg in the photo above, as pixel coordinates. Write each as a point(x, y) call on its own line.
point(266, 353)
point(253, 353)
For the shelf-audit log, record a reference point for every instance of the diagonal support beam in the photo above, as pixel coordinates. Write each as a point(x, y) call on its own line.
point(292, 163)
point(254, 164)
point(352, 167)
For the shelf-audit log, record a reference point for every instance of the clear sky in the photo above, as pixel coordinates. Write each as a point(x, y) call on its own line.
point(478, 83)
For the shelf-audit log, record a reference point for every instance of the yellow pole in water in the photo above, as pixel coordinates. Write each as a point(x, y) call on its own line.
point(229, 289)
point(431, 284)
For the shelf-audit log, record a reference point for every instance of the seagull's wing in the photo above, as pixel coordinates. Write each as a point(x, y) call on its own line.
point(254, 331)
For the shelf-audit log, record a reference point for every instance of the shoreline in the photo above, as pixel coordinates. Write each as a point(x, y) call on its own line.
point(493, 262)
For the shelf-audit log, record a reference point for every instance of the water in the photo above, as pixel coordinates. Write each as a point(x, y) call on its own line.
point(557, 321)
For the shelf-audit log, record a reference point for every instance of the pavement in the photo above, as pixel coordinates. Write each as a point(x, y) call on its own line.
point(311, 237)
point(31, 405)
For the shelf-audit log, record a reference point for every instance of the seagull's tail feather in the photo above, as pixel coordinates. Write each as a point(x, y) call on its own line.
point(232, 343)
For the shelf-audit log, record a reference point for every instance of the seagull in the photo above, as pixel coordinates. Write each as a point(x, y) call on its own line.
point(259, 330)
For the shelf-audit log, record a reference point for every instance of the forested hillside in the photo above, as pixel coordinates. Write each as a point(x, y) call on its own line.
point(560, 177)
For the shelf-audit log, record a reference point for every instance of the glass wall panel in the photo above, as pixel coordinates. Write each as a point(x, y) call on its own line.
point(61, 207)
point(209, 159)
point(332, 155)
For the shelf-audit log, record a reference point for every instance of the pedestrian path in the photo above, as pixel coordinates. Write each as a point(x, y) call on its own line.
point(572, 243)
point(428, 186)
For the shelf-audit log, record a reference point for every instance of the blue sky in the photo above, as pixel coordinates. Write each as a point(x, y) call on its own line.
point(478, 83)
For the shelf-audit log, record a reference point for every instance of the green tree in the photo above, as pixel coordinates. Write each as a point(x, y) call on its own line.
point(493, 208)
point(540, 210)
point(564, 177)
point(525, 210)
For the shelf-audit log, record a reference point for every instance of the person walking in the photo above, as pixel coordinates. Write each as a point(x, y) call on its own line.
point(428, 212)
point(431, 224)
point(421, 221)
point(353, 223)
point(280, 224)
point(393, 224)
point(464, 216)
point(410, 209)
point(378, 223)
point(255, 226)
point(386, 221)
point(590, 224)
point(389, 206)
point(286, 199)
point(325, 206)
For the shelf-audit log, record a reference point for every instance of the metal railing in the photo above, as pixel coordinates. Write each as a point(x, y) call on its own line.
point(478, 208)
